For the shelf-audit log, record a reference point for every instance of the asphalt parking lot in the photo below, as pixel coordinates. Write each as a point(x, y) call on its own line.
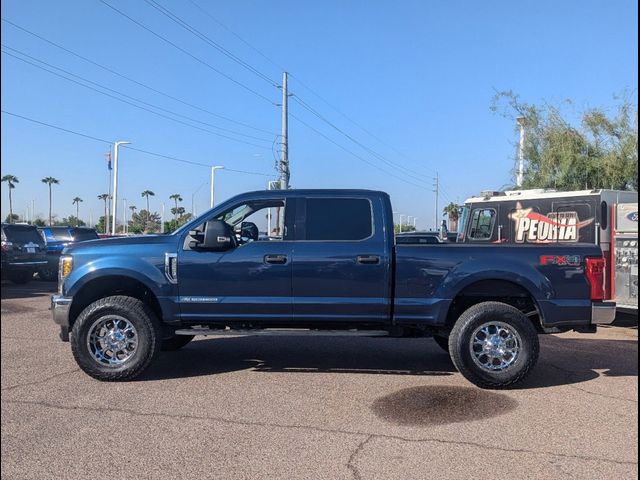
point(313, 408)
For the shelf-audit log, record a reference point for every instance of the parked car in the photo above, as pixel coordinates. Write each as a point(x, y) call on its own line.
point(417, 238)
point(23, 252)
point(337, 270)
point(56, 239)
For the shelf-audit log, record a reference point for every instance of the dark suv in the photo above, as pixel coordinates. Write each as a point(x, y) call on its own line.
point(23, 252)
point(56, 238)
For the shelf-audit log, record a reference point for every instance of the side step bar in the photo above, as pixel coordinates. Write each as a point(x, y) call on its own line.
point(282, 332)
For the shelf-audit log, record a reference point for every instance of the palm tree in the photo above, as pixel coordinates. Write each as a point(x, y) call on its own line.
point(11, 181)
point(77, 201)
point(50, 181)
point(133, 209)
point(452, 210)
point(147, 194)
point(176, 198)
point(105, 197)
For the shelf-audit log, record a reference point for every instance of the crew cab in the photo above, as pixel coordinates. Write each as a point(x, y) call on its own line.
point(331, 267)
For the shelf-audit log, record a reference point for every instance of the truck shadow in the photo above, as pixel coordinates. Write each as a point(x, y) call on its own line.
point(299, 354)
point(562, 360)
point(32, 289)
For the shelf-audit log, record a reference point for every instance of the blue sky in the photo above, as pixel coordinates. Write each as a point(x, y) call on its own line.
point(418, 75)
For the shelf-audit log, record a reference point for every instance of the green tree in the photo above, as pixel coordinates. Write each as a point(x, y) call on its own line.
point(452, 211)
point(103, 224)
point(176, 198)
point(12, 218)
point(50, 181)
point(405, 228)
point(174, 224)
point(11, 183)
point(39, 222)
point(71, 221)
point(600, 152)
point(144, 222)
point(76, 202)
point(147, 194)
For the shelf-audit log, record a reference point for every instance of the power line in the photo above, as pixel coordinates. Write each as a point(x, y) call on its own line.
point(273, 62)
point(124, 95)
point(167, 13)
point(58, 128)
point(102, 140)
point(351, 138)
point(164, 39)
point(115, 72)
point(134, 98)
point(342, 147)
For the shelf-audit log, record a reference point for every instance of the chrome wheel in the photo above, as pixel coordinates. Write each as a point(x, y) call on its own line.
point(495, 346)
point(112, 340)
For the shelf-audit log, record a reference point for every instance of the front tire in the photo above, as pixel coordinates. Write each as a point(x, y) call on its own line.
point(115, 338)
point(494, 345)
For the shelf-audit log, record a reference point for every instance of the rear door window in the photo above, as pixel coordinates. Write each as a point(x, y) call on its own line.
point(338, 219)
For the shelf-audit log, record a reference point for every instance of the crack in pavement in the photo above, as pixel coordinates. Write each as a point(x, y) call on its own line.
point(317, 429)
point(37, 382)
point(350, 465)
point(570, 378)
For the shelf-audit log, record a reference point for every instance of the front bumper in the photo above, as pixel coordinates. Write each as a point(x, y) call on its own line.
point(603, 313)
point(60, 307)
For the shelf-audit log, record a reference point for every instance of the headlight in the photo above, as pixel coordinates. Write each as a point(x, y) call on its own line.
point(64, 269)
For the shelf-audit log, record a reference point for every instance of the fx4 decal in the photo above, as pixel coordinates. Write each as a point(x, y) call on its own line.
point(561, 260)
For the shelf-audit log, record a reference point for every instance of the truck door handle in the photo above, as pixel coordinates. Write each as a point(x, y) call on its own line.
point(275, 259)
point(368, 259)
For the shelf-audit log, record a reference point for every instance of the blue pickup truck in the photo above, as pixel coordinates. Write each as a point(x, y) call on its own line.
point(332, 267)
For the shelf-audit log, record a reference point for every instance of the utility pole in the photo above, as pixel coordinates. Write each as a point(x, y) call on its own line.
point(284, 160)
point(108, 208)
point(213, 182)
point(436, 190)
point(124, 216)
point(162, 219)
point(115, 184)
point(520, 177)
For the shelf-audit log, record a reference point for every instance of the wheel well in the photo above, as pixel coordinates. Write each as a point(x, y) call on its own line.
point(495, 291)
point(112, 285)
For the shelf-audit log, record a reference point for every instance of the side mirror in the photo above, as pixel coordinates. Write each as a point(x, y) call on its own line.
point(218, 236)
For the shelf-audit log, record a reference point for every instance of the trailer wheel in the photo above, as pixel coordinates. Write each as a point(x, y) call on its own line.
point(494, 345)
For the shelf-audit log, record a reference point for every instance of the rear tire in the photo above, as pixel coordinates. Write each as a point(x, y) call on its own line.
point(494, 345)
point(175, 342)
point(20, 277)
point(115, 338)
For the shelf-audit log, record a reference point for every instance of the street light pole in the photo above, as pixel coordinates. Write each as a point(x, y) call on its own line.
point(213, 181)
point(115, 184)
point(401, 215)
